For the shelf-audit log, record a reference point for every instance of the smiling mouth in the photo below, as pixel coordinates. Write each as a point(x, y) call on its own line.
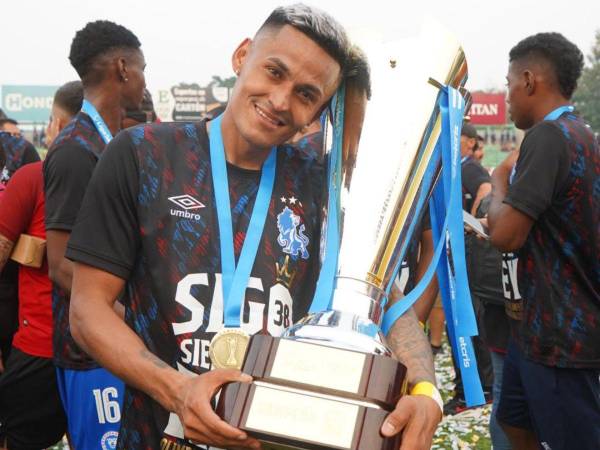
point(267, 117)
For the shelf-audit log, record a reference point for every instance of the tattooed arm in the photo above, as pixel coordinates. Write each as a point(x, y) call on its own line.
point(6, 246)
point(415, 416)
point(411, 347)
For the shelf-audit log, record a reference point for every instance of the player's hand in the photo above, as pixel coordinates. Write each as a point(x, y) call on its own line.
point(200, 423)
point(416, 417)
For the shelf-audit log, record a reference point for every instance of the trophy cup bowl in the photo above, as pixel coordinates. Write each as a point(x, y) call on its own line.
point(330, 380)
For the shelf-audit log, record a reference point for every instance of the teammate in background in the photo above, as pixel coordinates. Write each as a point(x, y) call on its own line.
point(17, 150)
point(10, 126)
point(475, 179)
point(109, 61)
point(66, 105)
point(547, 208)
point(29, 398)
point(150, 177)
point(144, 114)
point(479, 150)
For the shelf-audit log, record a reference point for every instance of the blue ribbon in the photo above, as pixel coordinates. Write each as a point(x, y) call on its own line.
point(235, 279)
point(449, 257)
point(325, 284)
point(99, 122)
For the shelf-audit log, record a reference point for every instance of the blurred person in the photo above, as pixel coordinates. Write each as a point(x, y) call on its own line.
point(144, 114)
point(110, 63)
point(11, 126)
point(475, 179)
point(488, 286)
point(18, 152)
point(479, 150)
point(131, 231)
point(67, 103)
point(29, 398)
point(547, 210)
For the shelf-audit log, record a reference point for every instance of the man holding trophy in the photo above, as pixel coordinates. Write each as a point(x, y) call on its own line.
point(203, 272)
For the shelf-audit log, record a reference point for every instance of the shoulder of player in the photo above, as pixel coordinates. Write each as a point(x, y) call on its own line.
point(544, 131)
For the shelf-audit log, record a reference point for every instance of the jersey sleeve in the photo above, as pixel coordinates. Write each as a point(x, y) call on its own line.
point(542, 168)
point(473, 176)
point(67, 172)
point(107, 234)
point(17, 204)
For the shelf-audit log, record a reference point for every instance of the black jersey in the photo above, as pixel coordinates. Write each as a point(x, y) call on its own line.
point(67, 172)
point(149, 217)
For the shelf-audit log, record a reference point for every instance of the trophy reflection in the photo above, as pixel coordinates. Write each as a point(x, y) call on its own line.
point(330, 380)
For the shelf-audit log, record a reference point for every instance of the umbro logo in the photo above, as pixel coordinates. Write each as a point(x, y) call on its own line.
point(186, 202)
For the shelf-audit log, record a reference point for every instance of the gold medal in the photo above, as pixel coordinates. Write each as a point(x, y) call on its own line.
point(228, 348)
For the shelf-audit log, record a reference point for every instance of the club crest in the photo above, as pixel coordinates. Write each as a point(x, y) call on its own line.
point(291, 234)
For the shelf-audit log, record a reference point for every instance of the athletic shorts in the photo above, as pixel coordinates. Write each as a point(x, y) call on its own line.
point(562, 406)
point(31, 413)
point(93, 400)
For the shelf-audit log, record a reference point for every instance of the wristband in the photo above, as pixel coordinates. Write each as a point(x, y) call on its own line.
point(428, 389)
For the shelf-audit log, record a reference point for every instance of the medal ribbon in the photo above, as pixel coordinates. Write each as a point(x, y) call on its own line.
point(99, 122)
point(235, 279)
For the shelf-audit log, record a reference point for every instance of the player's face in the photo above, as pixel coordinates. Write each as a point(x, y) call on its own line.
point(285, 79)
point(517, 97)
point(133, 89)
point(12, 129)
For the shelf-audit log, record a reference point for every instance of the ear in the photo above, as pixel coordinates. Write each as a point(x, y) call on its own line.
point(240, 54)
point(122, 69)
point(529, 82)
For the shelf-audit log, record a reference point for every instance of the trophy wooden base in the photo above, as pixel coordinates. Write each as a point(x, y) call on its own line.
point(340, 403)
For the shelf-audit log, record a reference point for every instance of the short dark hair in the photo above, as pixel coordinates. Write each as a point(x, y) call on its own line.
point(317, 25)
point(97, 39)
point(70, 97)
point(8, 120)
point(565, 57)
point(358, 71)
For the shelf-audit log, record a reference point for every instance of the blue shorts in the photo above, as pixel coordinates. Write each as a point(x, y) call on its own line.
point(562, 406)
point(92, 400)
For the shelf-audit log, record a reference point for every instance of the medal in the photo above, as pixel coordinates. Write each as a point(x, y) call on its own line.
point(228, 348)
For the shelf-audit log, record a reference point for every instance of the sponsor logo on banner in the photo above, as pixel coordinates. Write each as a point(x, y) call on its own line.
point(488, 109)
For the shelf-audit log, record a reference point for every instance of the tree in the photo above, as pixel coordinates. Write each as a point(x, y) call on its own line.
point(587, 95)
point(225, 82)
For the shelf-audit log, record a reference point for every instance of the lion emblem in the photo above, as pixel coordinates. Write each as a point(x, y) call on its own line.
point(291, 234)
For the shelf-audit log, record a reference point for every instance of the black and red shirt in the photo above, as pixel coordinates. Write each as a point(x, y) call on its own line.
point(557, 183)
point(22, 212)
point(67, 171)
point(149, 217)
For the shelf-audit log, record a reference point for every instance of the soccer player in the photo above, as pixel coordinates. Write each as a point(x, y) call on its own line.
point(29, 398)
point(547, 208)
point(109, 62)
point(150, 221)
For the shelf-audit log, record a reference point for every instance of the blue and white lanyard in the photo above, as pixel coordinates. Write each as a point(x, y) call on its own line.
point(99, 122)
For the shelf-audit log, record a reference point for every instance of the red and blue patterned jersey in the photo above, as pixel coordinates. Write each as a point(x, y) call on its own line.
point(149, 217)
point(18, 152)
point(557, 183)
point(67, 171)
